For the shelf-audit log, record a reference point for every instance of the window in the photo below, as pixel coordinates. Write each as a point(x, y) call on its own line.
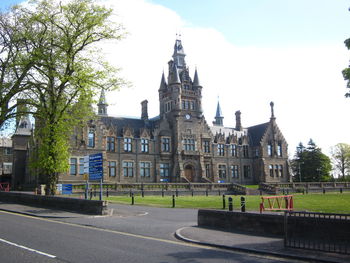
point(222, 171)
point(234, 171)
point(164, 169)
point(81, 166)
point(73, 166)
point(127, 145)
point(271, 170)
point(207, 146)
point(91, 138)
point(246, 171)
point(221, 149)
point(168, 106)
point(276, 170)
point(165, 144)
point(128, 169)
point(188, 144)
point(112, 168)
point(234, 150)
point(245, 151)
point(188, 105)
point(7, 151)
point(281, 170)
point(110, 144)
point(145, 169)
point(279, 149)
point(207, 170)
point(144, 145)
point(269, 149)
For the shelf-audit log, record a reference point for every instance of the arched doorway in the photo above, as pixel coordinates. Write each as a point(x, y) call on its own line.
point(189, 173)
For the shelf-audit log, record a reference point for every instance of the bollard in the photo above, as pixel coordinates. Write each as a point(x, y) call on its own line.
point(173, 201)
point(162, 192)
point(107, 194)
point(341, 190)
point(230, 204)
point(223, 202)
point(206, 192)
point(324, 190)
point(242, 204)
point(132, 199)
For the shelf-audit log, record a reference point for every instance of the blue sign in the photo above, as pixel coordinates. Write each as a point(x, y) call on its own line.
point(95, 167)
point(67, 189)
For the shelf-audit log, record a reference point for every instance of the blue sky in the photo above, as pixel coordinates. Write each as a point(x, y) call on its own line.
point(269, 22)
point(248, 52)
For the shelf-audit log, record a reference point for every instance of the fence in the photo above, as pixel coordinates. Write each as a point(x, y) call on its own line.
point(317, 231)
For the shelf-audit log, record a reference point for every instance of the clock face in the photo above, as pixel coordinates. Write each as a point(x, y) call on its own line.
point(188, 116)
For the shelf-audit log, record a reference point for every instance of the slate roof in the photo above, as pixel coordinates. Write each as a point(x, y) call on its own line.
point(256, 133)
point(121, 122)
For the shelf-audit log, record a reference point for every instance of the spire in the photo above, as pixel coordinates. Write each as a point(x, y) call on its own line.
point(272, 111)
point(102, 104)
point(175, 78)
point(218, 117)
point(196, 82)
point(163, 84)
point(179, 54)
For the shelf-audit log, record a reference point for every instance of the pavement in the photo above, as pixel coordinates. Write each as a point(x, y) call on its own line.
point(241, 242)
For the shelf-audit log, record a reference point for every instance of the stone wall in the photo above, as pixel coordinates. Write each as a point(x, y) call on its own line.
point(94, 207)
point(264, 224)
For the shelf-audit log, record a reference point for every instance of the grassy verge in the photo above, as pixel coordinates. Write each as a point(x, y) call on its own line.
point(326, 203)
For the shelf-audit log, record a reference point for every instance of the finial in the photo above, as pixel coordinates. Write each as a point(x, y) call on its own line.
point(272, 111)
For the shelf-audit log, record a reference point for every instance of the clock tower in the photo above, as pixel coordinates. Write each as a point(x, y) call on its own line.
point(180, 100)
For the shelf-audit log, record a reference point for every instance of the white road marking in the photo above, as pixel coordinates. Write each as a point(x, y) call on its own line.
point(27, 248)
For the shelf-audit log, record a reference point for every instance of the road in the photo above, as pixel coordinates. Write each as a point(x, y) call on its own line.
point(132, 236)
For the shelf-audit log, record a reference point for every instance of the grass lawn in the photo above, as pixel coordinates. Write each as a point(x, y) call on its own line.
point(326, 203)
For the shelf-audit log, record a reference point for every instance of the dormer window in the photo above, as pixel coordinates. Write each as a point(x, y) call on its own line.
point(127, 144)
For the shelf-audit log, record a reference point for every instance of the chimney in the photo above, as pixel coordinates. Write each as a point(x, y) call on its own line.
point(238, 121)
point(144, 110)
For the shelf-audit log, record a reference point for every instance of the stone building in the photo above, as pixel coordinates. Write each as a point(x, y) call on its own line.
point(179, 145)
point(5, 159)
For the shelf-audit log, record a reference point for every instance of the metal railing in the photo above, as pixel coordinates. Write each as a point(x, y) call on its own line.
point(317, 231)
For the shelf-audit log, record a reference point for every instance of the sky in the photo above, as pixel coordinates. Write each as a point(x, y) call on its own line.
point(247, 53)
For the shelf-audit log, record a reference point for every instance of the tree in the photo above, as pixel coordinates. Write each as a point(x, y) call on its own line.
point(16, 60)
point(66, 75)
point(310, 164)
point(346, 71)
point(341, 159)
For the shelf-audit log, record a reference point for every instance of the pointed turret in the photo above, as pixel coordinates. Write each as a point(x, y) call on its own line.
point(175, 77)
point(163, 84)
point(102, 104)
point(218, 117)
point(196, 82)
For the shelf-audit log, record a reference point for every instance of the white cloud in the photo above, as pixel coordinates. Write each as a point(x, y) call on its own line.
point(304, 82)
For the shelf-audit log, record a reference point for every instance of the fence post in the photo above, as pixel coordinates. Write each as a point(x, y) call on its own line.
point(162, 192)
point(242, 204)
point(230, 204)
point(174, 201)
point(223, 202)
point(177, 192)
point(341, 190)
point(132, 199)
